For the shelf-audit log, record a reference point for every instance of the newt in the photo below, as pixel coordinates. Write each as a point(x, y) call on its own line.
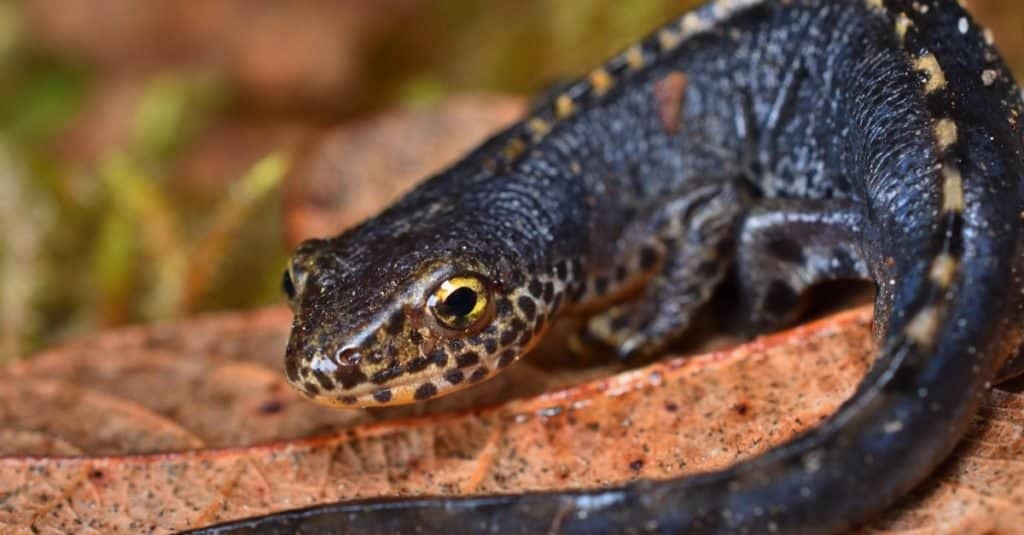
point(780, 143)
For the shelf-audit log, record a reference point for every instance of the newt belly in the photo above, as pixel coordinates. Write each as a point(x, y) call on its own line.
point(780, 142)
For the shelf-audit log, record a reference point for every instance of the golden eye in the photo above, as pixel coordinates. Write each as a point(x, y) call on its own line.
point(461, 303)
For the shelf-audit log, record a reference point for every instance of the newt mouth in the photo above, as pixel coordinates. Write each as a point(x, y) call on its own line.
point(400, 388)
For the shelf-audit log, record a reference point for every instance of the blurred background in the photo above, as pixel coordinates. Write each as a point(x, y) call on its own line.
point(148, 148)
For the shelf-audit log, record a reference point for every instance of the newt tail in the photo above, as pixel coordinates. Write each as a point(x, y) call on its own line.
point(777, 142)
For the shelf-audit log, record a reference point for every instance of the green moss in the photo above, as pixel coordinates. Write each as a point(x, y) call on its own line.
point(38, 96)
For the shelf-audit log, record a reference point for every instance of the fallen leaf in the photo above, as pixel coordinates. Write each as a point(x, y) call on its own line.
point(672, 418)
point(728, 405)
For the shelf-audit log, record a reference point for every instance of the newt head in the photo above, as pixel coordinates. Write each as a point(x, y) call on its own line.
point(382, 319)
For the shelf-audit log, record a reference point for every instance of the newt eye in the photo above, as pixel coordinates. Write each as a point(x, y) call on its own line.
point(461, 303)
point(292, 282)
point(287, 285)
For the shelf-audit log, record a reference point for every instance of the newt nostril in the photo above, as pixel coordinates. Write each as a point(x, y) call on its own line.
point(348, 356)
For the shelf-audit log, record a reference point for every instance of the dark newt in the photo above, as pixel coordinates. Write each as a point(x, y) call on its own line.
point(791, 141)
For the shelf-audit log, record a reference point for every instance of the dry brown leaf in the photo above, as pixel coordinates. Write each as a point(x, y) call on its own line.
point(668, 419)
point(572, 438)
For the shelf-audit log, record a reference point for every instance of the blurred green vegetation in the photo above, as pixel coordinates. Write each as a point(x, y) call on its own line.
point(114, 236)
point(113, 241)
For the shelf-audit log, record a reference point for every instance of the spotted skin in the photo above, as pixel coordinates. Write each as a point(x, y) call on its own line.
point(401, 359)
point(814, 139)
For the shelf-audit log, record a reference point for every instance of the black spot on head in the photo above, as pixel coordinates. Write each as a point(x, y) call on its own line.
point(387, 374)
point(478, 374)
point(785, 249)
point(536, 288)
point(601, 285)
point(396, 323)
point(504, 306)
point(425, 391)
point(417, 364)
point(620, 274)
point(506, 358)
point(325, 380)
point(439, 357)
point(508, 336)
point(349, 376)
point(636, 465)
point(382, 395)
point(311, 388)
point(516, 278)
point(527, 307)
point(490, 345)
point(467, 359)
point(454, 376)
point(525, 336)
point(549, 292)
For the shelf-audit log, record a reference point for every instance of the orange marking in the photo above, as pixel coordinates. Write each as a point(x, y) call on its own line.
point(669, 92)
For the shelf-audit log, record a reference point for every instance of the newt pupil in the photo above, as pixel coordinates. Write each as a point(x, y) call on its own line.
point(461, 302)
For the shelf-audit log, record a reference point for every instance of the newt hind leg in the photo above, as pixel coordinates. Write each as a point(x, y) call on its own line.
point(786, 246)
